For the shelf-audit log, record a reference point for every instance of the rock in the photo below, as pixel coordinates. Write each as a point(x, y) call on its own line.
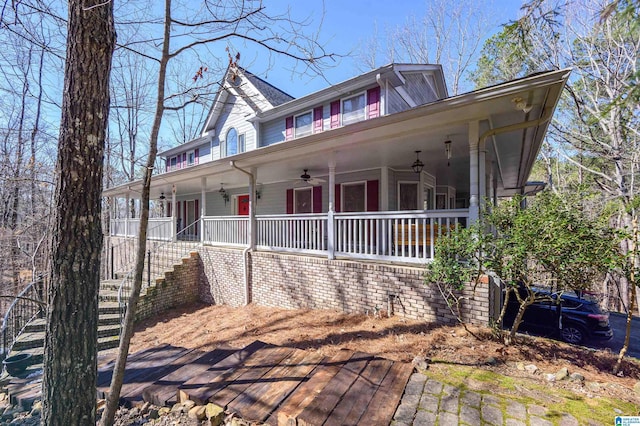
point(154, 414)
point(618, 411)
point(520, 366)
point(576, 377)
point(420, 363)
point(491, 361)
point(189, 404)
point(562, 374)
point(214, 413)
point(531, 368)
point(177, 408)
point(593, 386)
point(135, 412)
point(197, 412)
point(550, 377)
point(164, 411)
point(636, 388)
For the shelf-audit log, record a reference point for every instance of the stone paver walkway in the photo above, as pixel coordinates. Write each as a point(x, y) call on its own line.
point(430, 402)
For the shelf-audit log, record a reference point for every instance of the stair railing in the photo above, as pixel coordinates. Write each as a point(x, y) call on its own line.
point(122, 256)
point(161, 256)
point(28, 304)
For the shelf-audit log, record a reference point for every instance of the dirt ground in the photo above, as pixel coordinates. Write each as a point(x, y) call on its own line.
point(396, 338)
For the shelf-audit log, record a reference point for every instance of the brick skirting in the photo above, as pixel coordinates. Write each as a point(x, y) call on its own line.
point(295, 281)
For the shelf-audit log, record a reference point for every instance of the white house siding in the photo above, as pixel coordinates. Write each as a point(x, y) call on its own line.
point(204, 153)
point(395, 103)
point(234, 114)
point(420, 90)
point(272, 132)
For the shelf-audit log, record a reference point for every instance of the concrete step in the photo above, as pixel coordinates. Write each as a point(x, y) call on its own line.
point(35, 339)
point(104, 343)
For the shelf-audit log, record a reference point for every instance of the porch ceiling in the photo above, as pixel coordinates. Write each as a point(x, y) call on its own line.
point(390, 141)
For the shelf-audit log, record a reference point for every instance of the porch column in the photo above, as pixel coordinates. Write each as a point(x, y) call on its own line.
point(203, 208)
point(482, 173)
point(384, 188)
point(331, 235)
point(474, 190)
point(174, 224)
point(126, 216)
point(252, 211)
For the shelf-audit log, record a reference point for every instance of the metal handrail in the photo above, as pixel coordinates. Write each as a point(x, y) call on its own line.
point(161, 257)
point(126, 253)
point(27, 305)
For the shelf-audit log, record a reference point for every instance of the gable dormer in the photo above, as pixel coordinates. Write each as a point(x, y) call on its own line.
point(386, 90)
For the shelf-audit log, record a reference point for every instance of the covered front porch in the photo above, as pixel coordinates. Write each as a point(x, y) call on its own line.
point(380, 189)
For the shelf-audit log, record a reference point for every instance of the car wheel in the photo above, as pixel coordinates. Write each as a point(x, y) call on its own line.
point(573, 334)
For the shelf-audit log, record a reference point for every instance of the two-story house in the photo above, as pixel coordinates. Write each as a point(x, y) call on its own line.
point(370, 169)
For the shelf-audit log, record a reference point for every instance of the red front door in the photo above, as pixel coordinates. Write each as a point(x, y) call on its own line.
point(243, 205)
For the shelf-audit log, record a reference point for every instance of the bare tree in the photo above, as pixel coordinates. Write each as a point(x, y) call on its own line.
point(218, 22)
point(449, 33)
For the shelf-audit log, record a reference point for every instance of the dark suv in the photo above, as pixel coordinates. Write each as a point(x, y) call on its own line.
point(575, 319)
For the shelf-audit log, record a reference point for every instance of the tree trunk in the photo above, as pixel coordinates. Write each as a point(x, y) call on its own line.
point(70, 357)
point(117, 378)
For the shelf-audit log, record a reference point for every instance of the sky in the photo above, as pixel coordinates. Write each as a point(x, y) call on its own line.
point(347, 24)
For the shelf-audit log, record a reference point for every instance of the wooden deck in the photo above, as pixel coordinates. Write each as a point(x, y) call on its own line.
point(260, 383)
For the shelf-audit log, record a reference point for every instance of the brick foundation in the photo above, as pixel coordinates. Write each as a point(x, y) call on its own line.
point(294, 281)
point(179, 287)
point(215, 275)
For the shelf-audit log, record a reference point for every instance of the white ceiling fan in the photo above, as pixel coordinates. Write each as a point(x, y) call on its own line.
point(306, 178)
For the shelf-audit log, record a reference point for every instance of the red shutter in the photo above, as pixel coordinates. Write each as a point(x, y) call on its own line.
point(178, 162)
point(197, 213)
point(184, 160)
point(167, 166)
point(196, 155)
point(335, 114)
point(169, 209)
point(317, 199)
point(289, 201)
point(317, 119)
point(372, 195)
point(178, 213)
point(337, 200)
point(288, 124)
point(184, 218)
point(373, 102)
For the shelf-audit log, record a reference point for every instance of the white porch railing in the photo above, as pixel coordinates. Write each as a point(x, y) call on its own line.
point(406, 236)
point(225, 230)
point(161, 228)
point(306, 233)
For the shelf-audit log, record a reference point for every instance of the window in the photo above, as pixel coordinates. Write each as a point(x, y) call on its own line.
point(407, 195)
point(354, 197)
point(303, 200)
point(230, 143)
point(191, 158)
point(303, 124)
point(353, 109)
point(242, 146)
point(174, 163)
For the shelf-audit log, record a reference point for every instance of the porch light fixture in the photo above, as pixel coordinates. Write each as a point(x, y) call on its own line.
point(521, 104)
point(447, 151)
point(417, 165)
point(162, 197)
point(223, 194)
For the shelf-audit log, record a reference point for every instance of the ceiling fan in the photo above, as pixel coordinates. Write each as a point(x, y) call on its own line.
point(306, 178)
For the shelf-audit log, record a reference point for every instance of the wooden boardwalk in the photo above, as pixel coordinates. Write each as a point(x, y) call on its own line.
point(263, 383)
